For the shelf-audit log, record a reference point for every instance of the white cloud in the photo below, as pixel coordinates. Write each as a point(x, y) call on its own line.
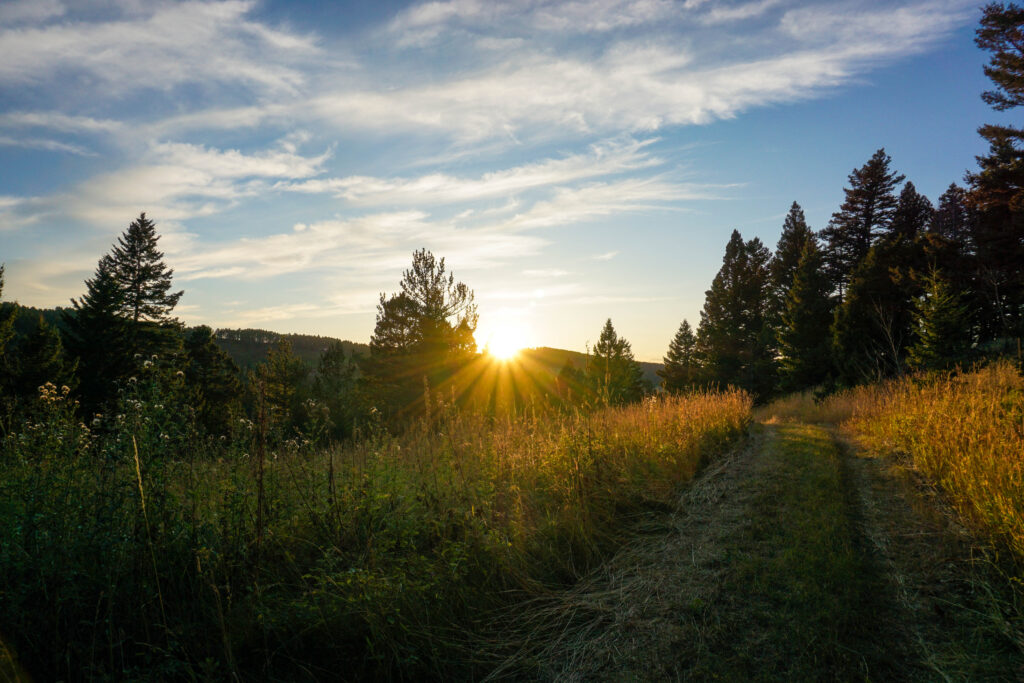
point(609, 157)
point(49, 145)
point(173, 44)
point(29, 11)
point(607, 256)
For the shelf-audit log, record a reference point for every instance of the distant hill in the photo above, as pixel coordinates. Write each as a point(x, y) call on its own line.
point(249, 347)
point(553, 360)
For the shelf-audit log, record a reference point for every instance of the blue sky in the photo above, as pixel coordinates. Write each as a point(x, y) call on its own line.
point(572, 161)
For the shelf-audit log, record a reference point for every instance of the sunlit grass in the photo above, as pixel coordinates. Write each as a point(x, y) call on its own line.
point(390, 554)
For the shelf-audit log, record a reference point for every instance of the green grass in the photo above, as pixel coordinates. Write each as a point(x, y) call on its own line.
point(389, 555)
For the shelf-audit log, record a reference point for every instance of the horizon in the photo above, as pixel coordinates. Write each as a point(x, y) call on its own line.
point(571, 162)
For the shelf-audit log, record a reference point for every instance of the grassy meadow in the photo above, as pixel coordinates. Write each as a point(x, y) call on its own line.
point(390, 556)
point(961, 432)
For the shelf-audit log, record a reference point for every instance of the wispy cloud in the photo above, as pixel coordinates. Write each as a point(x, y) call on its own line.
point(41, 143)
point(607, 256)
point(606, 158)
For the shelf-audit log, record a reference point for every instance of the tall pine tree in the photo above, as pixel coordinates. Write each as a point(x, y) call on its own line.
point(795, 236)
point(735, 339)
point(612, 371)
point(98, 336)
point(914, 213)
point(805, 343)
point(865, 214)
point(680, 369)
point(997, 189)
point(145, 282)
point(942, 327)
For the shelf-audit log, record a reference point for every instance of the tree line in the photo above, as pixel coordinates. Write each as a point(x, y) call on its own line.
point(892, 283)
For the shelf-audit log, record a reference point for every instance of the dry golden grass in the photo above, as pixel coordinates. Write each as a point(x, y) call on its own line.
point(963, 432)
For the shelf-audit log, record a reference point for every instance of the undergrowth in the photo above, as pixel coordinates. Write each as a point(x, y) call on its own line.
point(130, 550)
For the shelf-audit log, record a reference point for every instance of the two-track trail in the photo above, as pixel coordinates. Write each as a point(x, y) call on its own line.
point(795, 557)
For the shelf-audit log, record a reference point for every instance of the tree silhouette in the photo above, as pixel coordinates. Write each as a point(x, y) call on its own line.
point(805, 344)
point(612, 371)
point(866, 213)
point(680, 369)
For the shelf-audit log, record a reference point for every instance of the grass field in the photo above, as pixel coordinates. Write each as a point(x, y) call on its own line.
point(390, 554)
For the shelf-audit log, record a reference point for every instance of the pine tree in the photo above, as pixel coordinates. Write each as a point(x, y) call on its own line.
point(914, 213)
point(997, 189)
point(735, 339)
point(280, 382)
point(335, 388)
point(680, 369)
point(213, 380)
point(145, 283)
point(795, 236)
point(612, 372)
point(97, 337)
point(872, 328)
point(942, 326)
point(951, 219)
point(8, 364)
point(865, 214)
point(805, 343)
point(424, 333)
point(41, 359)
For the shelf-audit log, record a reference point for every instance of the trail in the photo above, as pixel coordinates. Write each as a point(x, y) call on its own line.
point(795, 557)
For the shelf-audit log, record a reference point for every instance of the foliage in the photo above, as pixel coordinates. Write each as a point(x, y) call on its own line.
point(866, 213)
point(805, 354)
point(913, 214)
point(941, 327)
point(682, 366)
point(213, 379)
point(612, 372)
point(126, 553)
point(795, 236)
point(734, 338)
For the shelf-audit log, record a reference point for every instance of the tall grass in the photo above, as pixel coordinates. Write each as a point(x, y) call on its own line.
point(388, 556)
point(964, 432)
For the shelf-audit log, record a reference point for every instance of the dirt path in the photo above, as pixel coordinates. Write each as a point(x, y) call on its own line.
point(793, 558)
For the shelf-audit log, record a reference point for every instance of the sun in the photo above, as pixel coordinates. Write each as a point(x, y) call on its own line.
point(505, 341)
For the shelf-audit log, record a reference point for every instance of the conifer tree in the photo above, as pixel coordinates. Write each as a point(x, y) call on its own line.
point(942, 327)
point(951, 219)
point(145, 286)
point(795, 236)
point(866, 213)
point(280, 383)
point(8, 365)
point(213, 380)
point(335, 387)
point(41, 359)
point(996, 193)
point(735, 339)
point(424, 333)
point(97, 336)
point(872, 328)
point(805, 343)
point(914, 213)
point(612, 371)
point(680, 369)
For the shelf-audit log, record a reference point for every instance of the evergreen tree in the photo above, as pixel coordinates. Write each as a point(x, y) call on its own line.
point(424, 333)
point(680, 369)
point(805, 344)
point(913, 215)
point(997, 189)
point(280, 383)
point(335, 388)
point(734, 338)
point(865, 214)
point(571, 385)
point(942, 326)
point(41, 359)
point(97, 336)
point(795, 236)
point(612, 372)
point(872, 328)
point(145, 282)
point(951, 219)
point(8, 365)
point(213, 380)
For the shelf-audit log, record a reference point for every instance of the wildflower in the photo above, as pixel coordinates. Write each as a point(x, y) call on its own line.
point(147, 364)
point(179, 373)
point(138, 356)
point(132, 380)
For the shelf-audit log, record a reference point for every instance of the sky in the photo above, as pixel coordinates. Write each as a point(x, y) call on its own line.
point(572, 161)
